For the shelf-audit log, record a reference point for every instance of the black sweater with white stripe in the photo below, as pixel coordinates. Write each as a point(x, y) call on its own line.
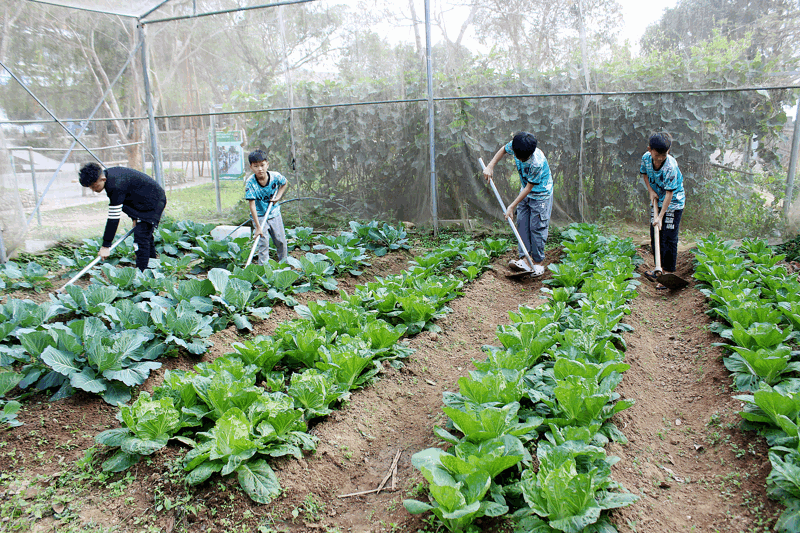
point(134, 193)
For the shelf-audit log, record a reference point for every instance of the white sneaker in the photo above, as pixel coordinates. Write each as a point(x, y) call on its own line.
point(519, 265)
point(538, 270)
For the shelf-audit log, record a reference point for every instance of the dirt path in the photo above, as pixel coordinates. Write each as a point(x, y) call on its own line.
point(693, 468)
point(687, 458)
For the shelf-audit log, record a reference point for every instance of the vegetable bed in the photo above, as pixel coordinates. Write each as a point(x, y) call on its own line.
point(52, 464)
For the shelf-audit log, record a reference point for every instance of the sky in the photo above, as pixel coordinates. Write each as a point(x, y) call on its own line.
point(638, 15)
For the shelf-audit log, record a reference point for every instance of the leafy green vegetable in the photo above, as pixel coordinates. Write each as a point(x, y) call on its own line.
point(148, 425)
point(350, 260)
point(348, 361)
point(183, 326)
point(89, 301)
point(214, 254)
point(569, 493)
point(263, 352)
point(481, 422)
point(316, 271)
point(236, 298)
point(314, 392)
point(341, 318)
point(380, 239)
point(458, 498)
point(300, 237)
point(30, 276)
point(783, 484)
point(751, 367)
point(496, 247)
point(300, 342)
point(8, 416)
point(98, 361)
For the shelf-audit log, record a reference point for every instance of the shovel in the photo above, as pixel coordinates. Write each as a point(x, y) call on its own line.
point(670, 281)
point(255, 243)
point(513, 227)
point(96, 260)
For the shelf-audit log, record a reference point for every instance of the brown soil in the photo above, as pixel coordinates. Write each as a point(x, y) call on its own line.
point(693, 468)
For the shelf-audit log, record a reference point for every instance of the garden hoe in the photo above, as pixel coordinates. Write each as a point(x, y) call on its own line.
point(93, 263)
point(255, 243)
point(516, 233)
point(670, 281)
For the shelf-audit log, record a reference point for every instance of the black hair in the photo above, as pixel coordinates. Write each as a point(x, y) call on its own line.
point(90, 172)
point(523, 144)
point(660, 142)
point(257, 156)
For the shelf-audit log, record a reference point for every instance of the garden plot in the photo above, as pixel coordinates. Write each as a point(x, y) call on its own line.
point(720, 487)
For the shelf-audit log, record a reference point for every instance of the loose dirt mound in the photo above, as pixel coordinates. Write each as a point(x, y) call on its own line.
point(694, 470)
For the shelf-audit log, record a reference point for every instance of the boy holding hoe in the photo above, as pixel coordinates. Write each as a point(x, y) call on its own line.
point(131, 192)
point(260, 190)
point(534, 203)
point(664, 183)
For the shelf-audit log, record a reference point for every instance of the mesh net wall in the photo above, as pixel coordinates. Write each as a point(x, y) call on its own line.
point(336, 93)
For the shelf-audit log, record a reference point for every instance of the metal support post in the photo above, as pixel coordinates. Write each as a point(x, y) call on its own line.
point(3, 257)
point(33, 180)
point(431, 132)
point(157, 173)
point(787, 201)
point(214, 161)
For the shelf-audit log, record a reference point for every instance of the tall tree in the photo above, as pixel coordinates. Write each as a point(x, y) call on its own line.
point(540, 34)
point(772, 25)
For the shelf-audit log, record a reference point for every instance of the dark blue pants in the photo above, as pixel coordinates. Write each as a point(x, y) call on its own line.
point(668, 239)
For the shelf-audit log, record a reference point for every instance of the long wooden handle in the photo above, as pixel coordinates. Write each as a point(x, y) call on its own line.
point(255, 243)
point(656, 239)
point(94, 262)
point(510, 222)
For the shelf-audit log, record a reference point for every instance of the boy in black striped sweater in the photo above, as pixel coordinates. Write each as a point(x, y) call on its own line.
point(131, 192)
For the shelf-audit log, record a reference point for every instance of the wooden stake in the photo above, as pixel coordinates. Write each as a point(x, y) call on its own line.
point(392, 473)
point(391, 470)
point(358, 493)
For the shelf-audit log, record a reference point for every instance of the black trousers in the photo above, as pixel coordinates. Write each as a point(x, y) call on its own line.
point(143, 242)
point(668, 239)
point(143, 232)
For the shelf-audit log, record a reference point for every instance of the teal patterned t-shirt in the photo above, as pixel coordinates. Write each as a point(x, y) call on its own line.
point(262, 195)
point(667, 178)
point(535, 170)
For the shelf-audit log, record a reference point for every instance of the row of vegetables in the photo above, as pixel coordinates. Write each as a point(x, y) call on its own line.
point(254, 403)
point(105, 338)
point(547, 391)
point(305, 368)
point(187, 248)
point(756, 304)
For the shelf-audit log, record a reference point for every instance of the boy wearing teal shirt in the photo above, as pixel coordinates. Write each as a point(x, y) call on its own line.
point(261, 189)
point(534, 203)
point(664, 183)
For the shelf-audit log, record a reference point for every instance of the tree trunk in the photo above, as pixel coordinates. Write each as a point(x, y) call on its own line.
point(417, 37)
